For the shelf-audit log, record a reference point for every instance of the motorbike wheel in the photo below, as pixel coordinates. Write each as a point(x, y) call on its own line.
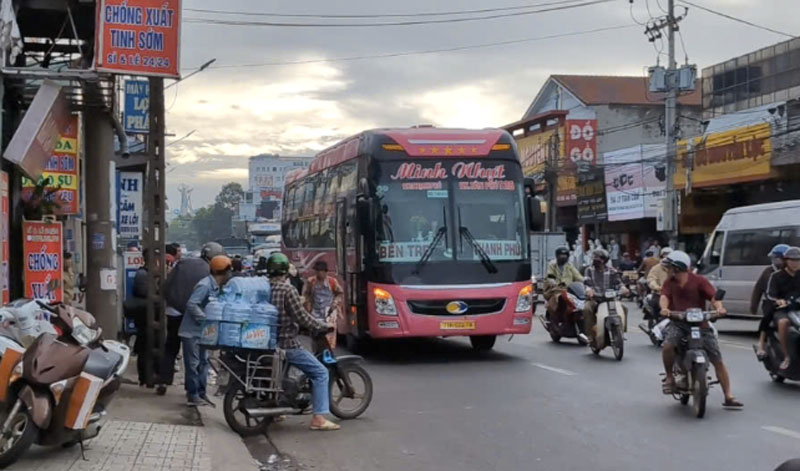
point(653, 339)
point(618, 343)
point(362, 389)
point(699, 391)
point(594, 348)
point(21, 436)
point(482, 343)
point(236, 417)
point(777, 378)
point(684, 399)
point(555, 337)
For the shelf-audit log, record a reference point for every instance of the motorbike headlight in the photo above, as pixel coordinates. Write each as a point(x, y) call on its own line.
point(384, 303)
point(695, 315)
point(525, 299)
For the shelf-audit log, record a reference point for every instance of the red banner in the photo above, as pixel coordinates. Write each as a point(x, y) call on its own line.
point(61, 172)
point(5, 273)
point(139, 37)
point(581, 141)
point(42, 255)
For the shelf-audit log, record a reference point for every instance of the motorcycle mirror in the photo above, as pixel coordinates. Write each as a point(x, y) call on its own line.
point(719, 295)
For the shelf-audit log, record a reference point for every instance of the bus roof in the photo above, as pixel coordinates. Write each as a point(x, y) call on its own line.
point(416, 142)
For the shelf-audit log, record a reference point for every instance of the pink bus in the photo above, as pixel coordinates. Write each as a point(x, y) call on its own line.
point(427, 229)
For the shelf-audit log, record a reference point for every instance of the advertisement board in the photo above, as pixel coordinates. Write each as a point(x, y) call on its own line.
point(635, 181)
point(581, 146)
point(42, 255)
point(130, 186)
point(591, 195)
point(535, 148)
point(135, 114)
point(60, 173)
point(5, 273)
point(138, 37)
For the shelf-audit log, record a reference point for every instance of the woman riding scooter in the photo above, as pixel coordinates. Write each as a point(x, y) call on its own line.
point(759, 290)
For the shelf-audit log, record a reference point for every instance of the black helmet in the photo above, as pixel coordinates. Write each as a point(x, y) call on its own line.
point(277, 264)
point(792, 253)
point(562, 251)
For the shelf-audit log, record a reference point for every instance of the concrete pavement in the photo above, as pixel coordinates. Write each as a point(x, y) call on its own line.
point(535, 405)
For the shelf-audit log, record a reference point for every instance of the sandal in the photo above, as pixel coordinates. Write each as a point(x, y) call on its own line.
point(668, 387)
point(326, 426)
point(732, 404)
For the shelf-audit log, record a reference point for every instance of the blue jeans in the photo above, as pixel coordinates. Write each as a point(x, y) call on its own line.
point(304, 361)
point(195, 362)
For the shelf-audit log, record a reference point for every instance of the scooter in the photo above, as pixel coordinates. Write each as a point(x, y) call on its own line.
point(56, 392)
point(610, 325)
point(773, 348)
point(654, 324)
point(263, 386)
point(21, 322)
point(571, 301)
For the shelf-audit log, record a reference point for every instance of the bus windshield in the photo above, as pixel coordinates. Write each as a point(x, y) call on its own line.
point(474, 205)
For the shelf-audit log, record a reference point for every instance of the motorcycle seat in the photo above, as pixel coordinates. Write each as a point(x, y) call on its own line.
point(102, 363)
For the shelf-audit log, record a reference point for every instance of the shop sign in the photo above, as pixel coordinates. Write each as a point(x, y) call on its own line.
point(131, 263)
point(591, 195)
point(635, 181)
point(136, 114)
point(139, 37)
point(723, 158)
point(61, 173)
point(535, 149)
point(129, 204)
point(42, 256)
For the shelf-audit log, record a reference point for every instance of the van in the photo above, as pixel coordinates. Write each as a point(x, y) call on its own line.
point(737, 251)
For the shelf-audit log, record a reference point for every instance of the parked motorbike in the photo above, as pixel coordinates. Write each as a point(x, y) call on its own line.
point(263, 385)
point(569, 321)
point(773, 348)
point(21, 322)
point(690, 369)
point(610, 325)
point(56, 392)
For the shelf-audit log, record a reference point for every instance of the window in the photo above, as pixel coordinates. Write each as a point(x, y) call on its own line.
point(713, 255)
point(750, 247)
point(320, 192)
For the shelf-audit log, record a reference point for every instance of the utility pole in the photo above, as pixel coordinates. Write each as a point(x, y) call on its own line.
point(670, 201)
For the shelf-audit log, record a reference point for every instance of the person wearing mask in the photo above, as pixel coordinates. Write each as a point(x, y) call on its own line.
point(655, 280)
point(295, 279)
point(783, 286)
point(293, 316)
point(68, 279)
point(560, 273)
point(195, 356)
point(627, 263)
point(177, 290)
point(324, 297)
point(682, 291)
point(759, 290)
point(599, 278)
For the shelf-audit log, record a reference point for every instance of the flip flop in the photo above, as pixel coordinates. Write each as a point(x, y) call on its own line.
point(732, 404)
point(668, 388)
point(326, 427)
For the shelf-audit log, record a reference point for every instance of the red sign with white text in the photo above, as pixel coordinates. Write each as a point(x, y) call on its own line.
point(42, 249)
point(139, 37)
point(581, 141)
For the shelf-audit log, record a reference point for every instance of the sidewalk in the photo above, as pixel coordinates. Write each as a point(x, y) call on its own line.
point(153, 433)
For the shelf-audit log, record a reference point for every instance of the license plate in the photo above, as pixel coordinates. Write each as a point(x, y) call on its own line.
point(695, 333)
point(457, 325)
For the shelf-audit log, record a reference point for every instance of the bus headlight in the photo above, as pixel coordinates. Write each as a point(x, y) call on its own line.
point(525, 299)
point(384, 303)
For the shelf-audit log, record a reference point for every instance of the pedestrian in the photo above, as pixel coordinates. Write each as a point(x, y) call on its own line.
point(237, 265)
point(295, 279)
point(177, 290)
point(613, 253)
point(195, 356)
point(68, 279)
point(261, 266)
point(324, 297)
point(136, 307)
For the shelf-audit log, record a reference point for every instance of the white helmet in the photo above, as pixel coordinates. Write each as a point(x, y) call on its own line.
point(679, 260)
point(666, 251)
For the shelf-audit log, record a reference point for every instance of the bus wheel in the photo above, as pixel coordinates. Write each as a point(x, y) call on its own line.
point(482, 343)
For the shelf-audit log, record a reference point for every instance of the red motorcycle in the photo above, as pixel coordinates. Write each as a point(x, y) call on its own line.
point(567, 320)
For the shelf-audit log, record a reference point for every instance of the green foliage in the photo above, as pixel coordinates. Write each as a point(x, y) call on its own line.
point(209, 223)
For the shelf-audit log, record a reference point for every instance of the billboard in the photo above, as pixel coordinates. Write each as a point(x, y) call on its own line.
point(635, 181)
point(42, 254)
point(130, 187)
point(535, 148)
point(138, 37)
point(591, 195)
point(60, 173)
point(135, 115)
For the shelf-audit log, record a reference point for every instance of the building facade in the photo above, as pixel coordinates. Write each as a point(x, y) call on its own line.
point(265, 185)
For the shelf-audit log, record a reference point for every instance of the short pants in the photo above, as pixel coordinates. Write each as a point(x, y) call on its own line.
point(673, 334)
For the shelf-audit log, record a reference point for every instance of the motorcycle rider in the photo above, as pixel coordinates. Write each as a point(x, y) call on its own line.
point(292, 315)
point(599, 278)
point(655, 280)
point(783, 286)
point(760, 289)
point(560, 273)
point(686, 290)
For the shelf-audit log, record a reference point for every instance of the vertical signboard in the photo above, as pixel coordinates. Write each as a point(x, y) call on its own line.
point(5, 273)
point(135, 115)
point(591, 195)
point(580, 147)
point(60, 173)
point(139, 37)
point(42, 252)
point(129, 204)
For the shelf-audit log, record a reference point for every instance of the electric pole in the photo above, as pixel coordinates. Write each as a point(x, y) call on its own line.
point(670, 201)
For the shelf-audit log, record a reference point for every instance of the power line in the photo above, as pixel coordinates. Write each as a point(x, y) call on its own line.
point(379, 15)
point(739, 20)
point(211, 21)
point(421, 52)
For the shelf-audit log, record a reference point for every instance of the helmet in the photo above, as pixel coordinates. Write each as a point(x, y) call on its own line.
point(792, 253)
point(666, 251)
point(211, 250)
point(562, 251)
point(220, 264)
point(679, 260)
point(778, 250)
point(601, 253)
point(277, 264)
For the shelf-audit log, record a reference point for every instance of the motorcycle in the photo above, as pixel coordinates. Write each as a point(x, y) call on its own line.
point(690, 369)
point(630, 278)
point(571, 301)
point(56, 392)
point(21, 322)
point(652, 319)
point(263, 385)
point(610, 325)
point(773, 348)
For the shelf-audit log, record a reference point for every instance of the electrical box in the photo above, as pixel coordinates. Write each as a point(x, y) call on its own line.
point(687, 75)
point(658, 79)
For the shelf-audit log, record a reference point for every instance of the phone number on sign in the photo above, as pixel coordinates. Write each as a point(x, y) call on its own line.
point(495, 185)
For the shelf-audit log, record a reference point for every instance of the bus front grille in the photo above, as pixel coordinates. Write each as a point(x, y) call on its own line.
point(474, 307)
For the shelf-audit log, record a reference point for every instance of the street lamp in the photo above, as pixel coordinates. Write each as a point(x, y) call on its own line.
point(202, 68)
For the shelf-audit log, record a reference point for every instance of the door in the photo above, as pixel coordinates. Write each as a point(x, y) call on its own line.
point(341, 239)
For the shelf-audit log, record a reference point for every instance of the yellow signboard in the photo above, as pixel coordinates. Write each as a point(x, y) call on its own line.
point(734, 156)
point(535, 148)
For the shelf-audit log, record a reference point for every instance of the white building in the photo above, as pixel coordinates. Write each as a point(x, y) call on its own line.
point(266, 179)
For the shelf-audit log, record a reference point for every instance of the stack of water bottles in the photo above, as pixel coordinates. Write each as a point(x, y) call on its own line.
point(242, 316)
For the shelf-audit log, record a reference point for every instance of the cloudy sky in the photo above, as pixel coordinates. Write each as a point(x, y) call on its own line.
point(237, 110)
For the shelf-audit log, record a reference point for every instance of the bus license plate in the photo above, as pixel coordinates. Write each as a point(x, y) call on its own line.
point(457, 325)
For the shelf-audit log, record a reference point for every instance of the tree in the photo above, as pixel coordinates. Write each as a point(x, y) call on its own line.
point(181, 230)
point(230, 196)
point(212, 222)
